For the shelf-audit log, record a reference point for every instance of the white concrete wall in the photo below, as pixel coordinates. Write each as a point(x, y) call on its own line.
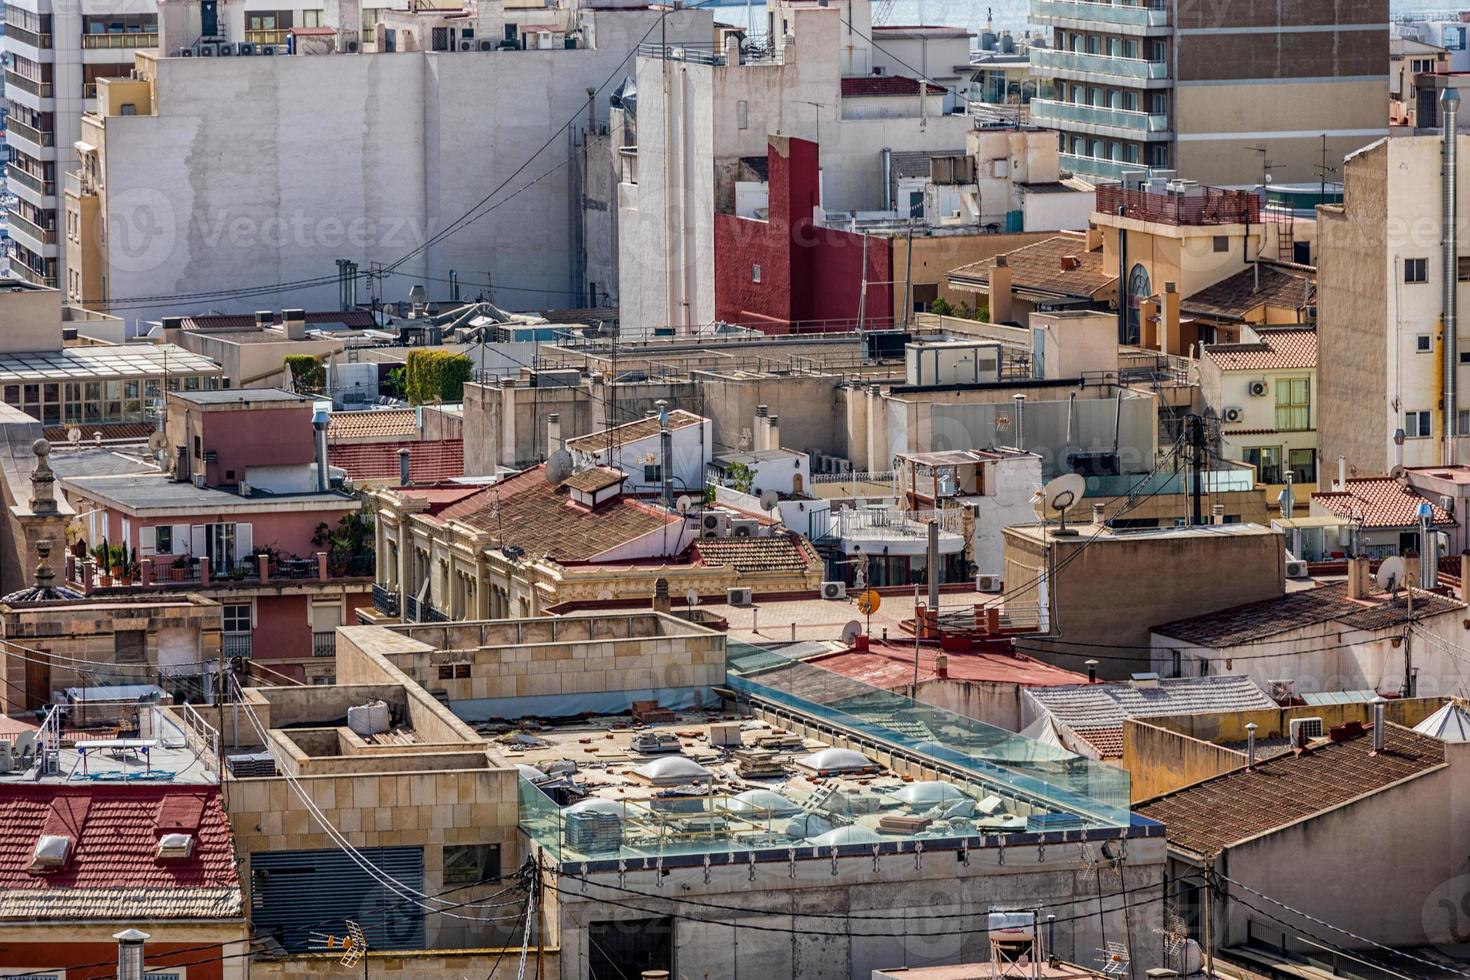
point(276, 167)
point(1012, 501)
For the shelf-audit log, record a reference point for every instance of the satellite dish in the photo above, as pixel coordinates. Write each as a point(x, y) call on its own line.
point(1062, 494)
point(851, 632)
point(769, 499)
point(1390, 574)
point(684, 503)
point(692, 598)
point(156, 442)
point(73, 435)
point(558, 467)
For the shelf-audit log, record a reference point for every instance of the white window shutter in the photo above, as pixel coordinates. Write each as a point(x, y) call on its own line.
point(197, 546)
point(181, 539)
point(147, 541)
point(244, 541)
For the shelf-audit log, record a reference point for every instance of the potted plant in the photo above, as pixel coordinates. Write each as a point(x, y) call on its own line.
point(179, 570)
point(117, 561)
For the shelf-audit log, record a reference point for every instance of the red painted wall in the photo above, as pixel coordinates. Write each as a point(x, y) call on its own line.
point(266, 437)
point(811, 277)
point(203, 964)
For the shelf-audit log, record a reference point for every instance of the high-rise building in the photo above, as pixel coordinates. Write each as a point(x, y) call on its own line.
point(1223, 93)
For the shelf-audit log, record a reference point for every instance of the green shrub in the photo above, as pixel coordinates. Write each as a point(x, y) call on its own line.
point(307, 372)
point(436, 375)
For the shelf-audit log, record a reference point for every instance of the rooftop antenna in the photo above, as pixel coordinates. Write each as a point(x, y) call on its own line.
point(353, 943)
point(558, 467)
point(1060, 495)
point(1390, 575)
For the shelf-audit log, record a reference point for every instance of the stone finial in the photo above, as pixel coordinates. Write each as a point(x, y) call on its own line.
point(43, 480)
point(44, 575)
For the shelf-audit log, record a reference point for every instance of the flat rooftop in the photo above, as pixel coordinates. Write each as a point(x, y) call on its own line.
point(114, 757)
point(242, 396)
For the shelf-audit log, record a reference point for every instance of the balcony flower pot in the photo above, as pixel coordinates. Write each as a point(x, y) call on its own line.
point(105, 581)
point(117, 571)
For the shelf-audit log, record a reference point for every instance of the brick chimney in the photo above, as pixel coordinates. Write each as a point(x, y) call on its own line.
point(1357, 579)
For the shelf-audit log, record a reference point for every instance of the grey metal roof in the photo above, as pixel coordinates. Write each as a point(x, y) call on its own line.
point(119, 361)
point(160, 492)
point(227, 396)
point(1100, 705)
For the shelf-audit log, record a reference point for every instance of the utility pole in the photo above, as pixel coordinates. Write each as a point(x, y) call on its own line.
point(1195, 435)
point(863, 294)
point(908, 276)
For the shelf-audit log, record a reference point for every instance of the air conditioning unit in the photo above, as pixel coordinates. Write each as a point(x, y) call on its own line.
point(988, 583)
point(737, 597)
point(224, 49)
point(353, 46)
point(184, 53)
point(834, 590)
point(1447, 504)
point(199, 480)
point(485, 44)
point(1232, 415)
point(265, 49)
point(742, 528)
point(1296, 569)
point(1311, 727)
point(1258, 389)
point(467, 44)
point(714, 524)
point(208, 49)
point(245, 49)
point(1281, 690)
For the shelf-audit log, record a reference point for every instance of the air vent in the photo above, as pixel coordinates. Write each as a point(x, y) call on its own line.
point(175, 847)
point(51, 852)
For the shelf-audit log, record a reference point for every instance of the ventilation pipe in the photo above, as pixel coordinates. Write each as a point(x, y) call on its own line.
point(1398, 451)
point(887, 158)
point(130, 953)
point(666, 452)
point(403, 458)
point(1341, 473)
point(319, 423)
point(1020, 401)
point(1378, 732)
point(1091, 671)
point(553, 433)
point(1450, 104)
point(1250, 745)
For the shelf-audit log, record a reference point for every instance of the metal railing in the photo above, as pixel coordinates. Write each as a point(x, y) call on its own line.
point(885, 476)
point(323, 643)
point(1098, 167)
point(882, 522)
point(1116, 66)
point(200, 732)
point(32, 276)
point(237, 644)
point(39, 89)
point(1205, 206)
point(120, 39)
point(40, 137)
point(46, 188)
point(1050, 111)
point(385, 599)
point(25, 36)
point(1120, 14)
point(268, 35)
point(415, 611)
point(22, 224)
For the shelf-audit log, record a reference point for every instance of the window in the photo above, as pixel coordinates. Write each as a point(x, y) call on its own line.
point(163, 537)
point(742, 114)
point(755, 273)
point(1303, 465)
point(1222, 243)
point(1293, 404)
point(1423, 343)
point(653, 473)
point(1267, 461)
point(1416, 270)
point(236, 617)
point(471, 864)
point(1462, 268)
point(1416, 425)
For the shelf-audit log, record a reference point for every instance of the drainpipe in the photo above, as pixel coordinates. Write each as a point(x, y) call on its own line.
point(1450, 103)
point(1122, 278)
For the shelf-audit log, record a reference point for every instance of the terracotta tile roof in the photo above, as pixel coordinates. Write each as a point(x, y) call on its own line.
point(1237, 296)
point(533, 515)
point(352, 319)
point(428, 461)
point(113, 871)
point(1088, 706)
point(1106, 739)
point(385, 424)
point(595, 479)
point(111, 431)
point(877, 85)
point(632, 432)
point(1297, 610)
point(1210, 816)
point(1042, 267)
point(1382, 502)
point(1277, 350)
point(778, 553)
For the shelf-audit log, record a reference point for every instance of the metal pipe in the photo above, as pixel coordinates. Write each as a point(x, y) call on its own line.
point(887, 158)
point(666, 447)
point(319, 423)
point(1250, 745)
point(1020, 401)
point(1450, 104)
point(1378, 732)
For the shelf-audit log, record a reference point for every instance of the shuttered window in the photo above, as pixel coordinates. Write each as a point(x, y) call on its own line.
point(294, 893)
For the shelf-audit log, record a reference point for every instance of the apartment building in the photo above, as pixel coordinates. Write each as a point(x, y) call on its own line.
point(1219, 92)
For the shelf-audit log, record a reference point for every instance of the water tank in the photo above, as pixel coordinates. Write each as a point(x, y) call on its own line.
point(1007, 43)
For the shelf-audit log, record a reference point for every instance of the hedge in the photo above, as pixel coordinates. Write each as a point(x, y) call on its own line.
point(306, 371)
point(436, 375)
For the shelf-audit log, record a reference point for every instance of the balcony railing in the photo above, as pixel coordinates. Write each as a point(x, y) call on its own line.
point(32, 276)
point(860, 476)
point(163, 573)
point(1132, 69)
point(1202, 206)
point(268, 35)
point(1057, 115)
point(27, 132)
point(323, 643)
point(119, 39)
point(385, 599)
point(39, 89)
point(46, 188)
point(422, 612)
point(882, 522)
point(1098, 167)
point(236, 644)
point(34, 38)
point(1119, 14)
point(22, 224)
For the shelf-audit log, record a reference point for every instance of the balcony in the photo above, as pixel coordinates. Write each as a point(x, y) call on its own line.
point(22, 178)
point(42, 90)
point(29, 133)
point(165, 573)
point(1098, 167)
point(25, 228)
point(886, 531)
point(1073, 64)
point(22, 271)
point(267, 36)
point(1099, 120)
point(1200, 206)
point(119, 39)
point(415, 611)
point(385, 599)
point(33, 38)
point(323, 643)
point(236, 644)
point(1081, 15)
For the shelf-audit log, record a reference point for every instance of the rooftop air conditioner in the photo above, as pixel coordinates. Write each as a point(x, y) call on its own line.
point(738, 597)
point(485, 44)
point(743, 528)
point(265, 49)
point(353, 46)
point(1296, 569)
point(988, 583)
point(245, 49)
point(1257, 389)
point(184, 53)
point(224, 49)
point(467, 44)
point(714, 524)
point(208, 49)
point(834, 590)
point(1232, 414)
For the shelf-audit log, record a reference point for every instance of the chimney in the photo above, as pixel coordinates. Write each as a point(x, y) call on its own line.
point(1094, 238)
point(294, 323)
point(941, 665)
point(1357, 578)
point(403, 458)
point(1250, 745)
point(1378, 730)
point(1001, 291)
point(1092, 671)
point(666, 454)
point(759, 439)
point(1172, 340)
point(661, 601)
point(1020, 401)
point(1411, 570)
point(553, 433)
point(1449, 102)
point(1217, 513)
point(1465, 577)
point(1098, 514)
point(1341, 474)
point(319, 423)
point(264, 318)
point(773, 432)
point(172, 327)
point(1148, 323)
